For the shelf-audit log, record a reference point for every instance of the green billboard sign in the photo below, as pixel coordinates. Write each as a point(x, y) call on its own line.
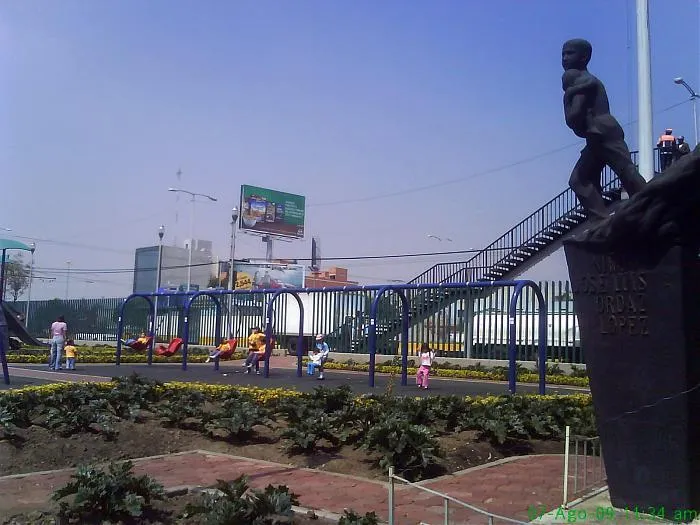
point(272, 212)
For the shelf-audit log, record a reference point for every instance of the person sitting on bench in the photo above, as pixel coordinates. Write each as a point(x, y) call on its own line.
point(254, 358)
point(318, 358)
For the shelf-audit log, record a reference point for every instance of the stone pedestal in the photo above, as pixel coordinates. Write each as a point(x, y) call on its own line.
point(640, 333)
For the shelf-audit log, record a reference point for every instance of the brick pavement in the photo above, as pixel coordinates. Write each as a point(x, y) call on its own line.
point(506, 487)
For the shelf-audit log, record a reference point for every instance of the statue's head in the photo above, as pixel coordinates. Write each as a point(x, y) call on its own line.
point(576, 53)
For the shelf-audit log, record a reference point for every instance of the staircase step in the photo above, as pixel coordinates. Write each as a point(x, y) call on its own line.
point(570, 220)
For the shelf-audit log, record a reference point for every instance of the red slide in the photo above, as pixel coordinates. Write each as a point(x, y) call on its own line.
point(171, 349)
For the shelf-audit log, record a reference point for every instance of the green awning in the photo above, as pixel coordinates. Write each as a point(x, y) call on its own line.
point(9, 244)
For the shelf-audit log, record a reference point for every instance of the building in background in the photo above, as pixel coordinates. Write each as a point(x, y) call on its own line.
point(174, 266)
point(332, 277)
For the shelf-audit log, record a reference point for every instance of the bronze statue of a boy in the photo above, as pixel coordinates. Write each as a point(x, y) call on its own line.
point(587, 113)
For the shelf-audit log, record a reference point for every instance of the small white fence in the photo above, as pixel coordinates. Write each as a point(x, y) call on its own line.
point(447, 500)
point(584, 469)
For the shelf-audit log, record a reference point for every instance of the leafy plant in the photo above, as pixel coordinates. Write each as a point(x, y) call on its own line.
point(17, 407)
point(444, 411)
point(330, 399)
point(115, 494)
point(578, 372)
point(8, 428)
point(92, 416)
point(554, 370)
point(238, 418)
point(411, 449)
point(357, 418)
point(350, 517)
point(183, 406)
point(71, 398)
point(235, 502)
point(307, 426)
point(132, 393)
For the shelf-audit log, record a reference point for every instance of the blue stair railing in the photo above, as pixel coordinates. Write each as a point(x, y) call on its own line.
point(525, 244)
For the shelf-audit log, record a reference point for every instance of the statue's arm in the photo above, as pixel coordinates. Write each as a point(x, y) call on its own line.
point(579, 86)
point(574, 111)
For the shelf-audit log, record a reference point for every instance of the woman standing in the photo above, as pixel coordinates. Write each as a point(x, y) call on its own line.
point(59, 328)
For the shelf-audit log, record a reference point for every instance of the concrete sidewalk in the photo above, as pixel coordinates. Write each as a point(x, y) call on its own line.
point(507, 487)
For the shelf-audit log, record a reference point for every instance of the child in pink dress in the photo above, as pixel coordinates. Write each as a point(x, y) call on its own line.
point(426, 360)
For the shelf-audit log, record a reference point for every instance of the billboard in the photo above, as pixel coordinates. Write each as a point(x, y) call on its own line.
point(272, 212)
point(254, 276)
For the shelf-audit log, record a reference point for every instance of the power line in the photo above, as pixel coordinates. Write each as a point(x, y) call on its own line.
point(374, 197)
point(471, 175)
point(349, 258)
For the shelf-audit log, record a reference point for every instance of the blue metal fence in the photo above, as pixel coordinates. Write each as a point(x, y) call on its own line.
point(468, 324)
point(408, 310)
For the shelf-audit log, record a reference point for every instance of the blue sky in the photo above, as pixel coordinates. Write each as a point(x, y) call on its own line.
point(345, 102)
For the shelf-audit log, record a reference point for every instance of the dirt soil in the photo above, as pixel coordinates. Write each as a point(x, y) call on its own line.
point(45, 450)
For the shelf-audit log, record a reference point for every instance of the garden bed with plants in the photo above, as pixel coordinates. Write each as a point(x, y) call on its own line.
point(60, 425)
point(555, 375)
point(114, 494)
point(72, 424)
point(106, 354)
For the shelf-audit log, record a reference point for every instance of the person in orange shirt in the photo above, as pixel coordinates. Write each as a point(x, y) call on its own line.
point(70, 351)
point(254, 357)
point(224, 346)
point(667, 148)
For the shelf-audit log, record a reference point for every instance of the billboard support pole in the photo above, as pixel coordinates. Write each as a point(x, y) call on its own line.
point(268, 252)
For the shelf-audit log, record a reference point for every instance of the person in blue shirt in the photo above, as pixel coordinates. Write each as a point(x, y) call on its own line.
point(318, 358)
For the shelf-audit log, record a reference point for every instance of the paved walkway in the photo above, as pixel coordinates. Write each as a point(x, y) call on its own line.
point(507, 487)
point(282, 375)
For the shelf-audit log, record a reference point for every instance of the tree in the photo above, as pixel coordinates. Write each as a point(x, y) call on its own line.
point(16, 277)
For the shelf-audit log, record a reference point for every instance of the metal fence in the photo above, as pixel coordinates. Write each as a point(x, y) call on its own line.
point(451, 507)
point(467, 324)
point(584, 469)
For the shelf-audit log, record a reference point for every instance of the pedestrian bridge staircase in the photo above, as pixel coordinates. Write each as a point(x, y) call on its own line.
point(527, 243)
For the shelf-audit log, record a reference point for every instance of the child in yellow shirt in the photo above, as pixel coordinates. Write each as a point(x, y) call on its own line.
point(70, 355)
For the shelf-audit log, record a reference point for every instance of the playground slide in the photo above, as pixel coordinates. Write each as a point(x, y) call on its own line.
point(17, 329)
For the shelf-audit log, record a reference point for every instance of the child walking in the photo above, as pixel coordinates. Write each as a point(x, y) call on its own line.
point(70, 355)
point(426, 361)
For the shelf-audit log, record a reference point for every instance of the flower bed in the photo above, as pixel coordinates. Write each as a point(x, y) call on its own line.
point(554, 376)
point(421, 437)
point(106, 354)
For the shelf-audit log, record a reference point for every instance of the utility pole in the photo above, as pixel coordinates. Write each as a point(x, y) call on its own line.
point(646, 141)
point(231, 271)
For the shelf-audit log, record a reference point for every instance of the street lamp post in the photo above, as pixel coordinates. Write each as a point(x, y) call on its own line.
point(694, 99)
point(67, 278)
point(29, 290)
point(161, 232)
point(231, 272)
point(189, 255)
